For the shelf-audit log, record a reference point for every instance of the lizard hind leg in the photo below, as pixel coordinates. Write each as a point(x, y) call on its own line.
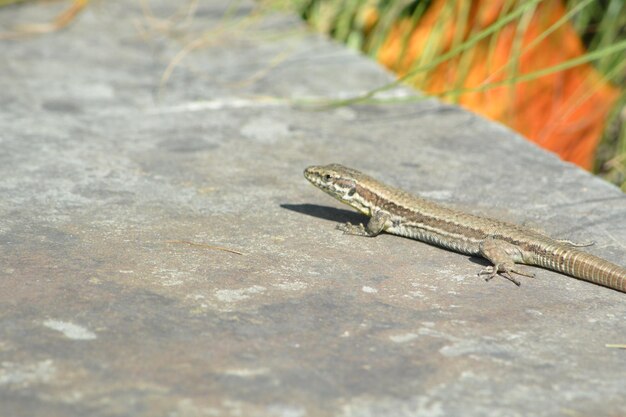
point(503, 255)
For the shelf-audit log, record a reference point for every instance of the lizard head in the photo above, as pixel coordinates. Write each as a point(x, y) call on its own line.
point(338, 181)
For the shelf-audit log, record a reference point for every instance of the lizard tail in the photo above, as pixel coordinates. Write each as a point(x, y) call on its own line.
point(584, 266)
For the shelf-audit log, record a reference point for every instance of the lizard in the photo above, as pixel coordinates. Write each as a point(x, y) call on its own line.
point(504, 244)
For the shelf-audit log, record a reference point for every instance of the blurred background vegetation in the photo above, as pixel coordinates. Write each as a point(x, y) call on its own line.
point(553, 70)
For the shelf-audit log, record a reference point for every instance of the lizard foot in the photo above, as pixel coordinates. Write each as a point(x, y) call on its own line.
point(376, 224)
point(353, 229)
point(504, 271)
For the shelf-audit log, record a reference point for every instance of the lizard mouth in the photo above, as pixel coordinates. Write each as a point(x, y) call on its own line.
point(314, 175)
point(321, 179)
point(308, 173)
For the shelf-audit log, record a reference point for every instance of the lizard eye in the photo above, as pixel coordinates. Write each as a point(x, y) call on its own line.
point(327, 177)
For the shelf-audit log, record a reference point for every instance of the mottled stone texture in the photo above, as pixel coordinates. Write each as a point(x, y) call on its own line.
point(107, 176)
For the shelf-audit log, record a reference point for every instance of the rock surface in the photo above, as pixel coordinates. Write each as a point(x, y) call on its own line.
point(120, 191)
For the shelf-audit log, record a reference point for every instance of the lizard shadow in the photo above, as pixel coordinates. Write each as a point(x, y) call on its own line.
point(327, 213)
point(342, 216)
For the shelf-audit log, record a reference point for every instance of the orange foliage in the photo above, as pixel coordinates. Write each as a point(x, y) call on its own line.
point(563, 112)
point(59, 22)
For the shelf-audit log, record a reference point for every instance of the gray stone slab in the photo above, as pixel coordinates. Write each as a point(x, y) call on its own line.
point(105, 311)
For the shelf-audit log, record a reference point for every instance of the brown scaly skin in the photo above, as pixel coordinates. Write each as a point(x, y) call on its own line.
point(397, 212)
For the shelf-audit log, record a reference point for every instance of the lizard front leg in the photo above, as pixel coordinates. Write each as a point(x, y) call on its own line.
point(376, 224)
point(503, 255)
